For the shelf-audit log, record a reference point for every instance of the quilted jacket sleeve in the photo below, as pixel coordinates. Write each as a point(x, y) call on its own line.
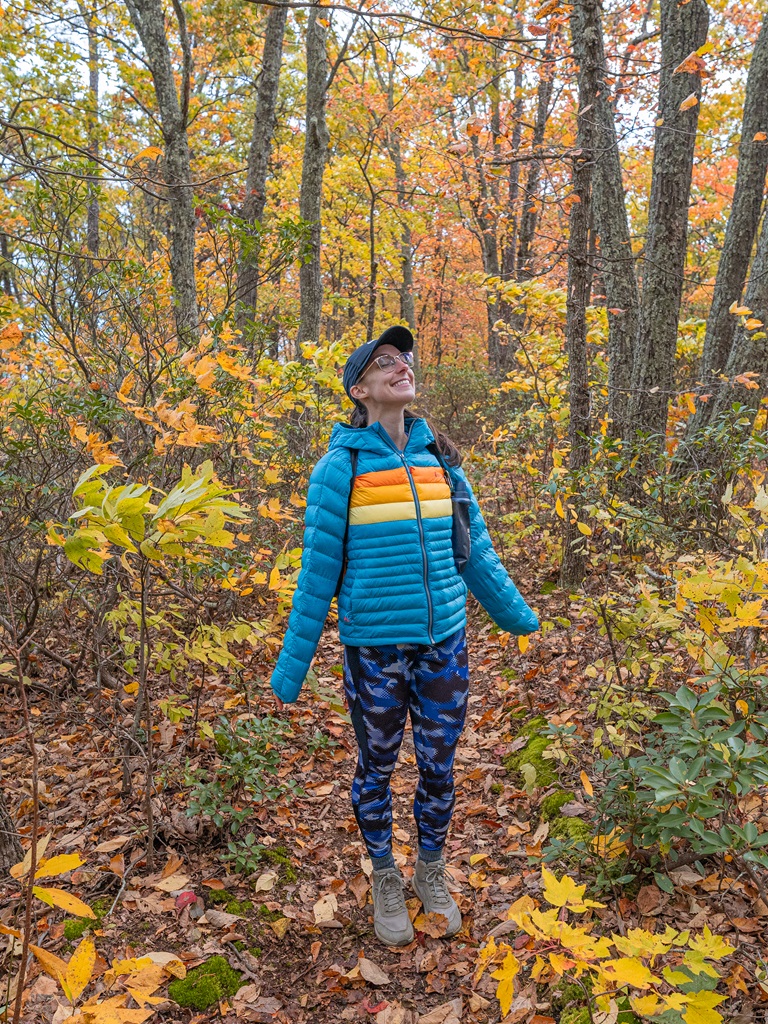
point(321, 561)
point(489, 581)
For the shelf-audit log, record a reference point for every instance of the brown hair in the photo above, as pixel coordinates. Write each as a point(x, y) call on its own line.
point(445, 445)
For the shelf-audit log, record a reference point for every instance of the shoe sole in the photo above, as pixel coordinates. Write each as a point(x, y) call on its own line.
point(404, 941)
point(453, 926)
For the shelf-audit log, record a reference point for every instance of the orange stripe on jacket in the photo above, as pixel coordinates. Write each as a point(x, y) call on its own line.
point(392, 477)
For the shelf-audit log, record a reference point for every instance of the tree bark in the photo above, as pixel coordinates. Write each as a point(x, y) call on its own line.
point(683, 30)
point(149, 21)
point(616, 263)
point(10, 847)
point(749, 352)
point(530, 214)
point(92, 223)
point(585, 33)
point(258, 164)
point(316, 140)
point(743, 223)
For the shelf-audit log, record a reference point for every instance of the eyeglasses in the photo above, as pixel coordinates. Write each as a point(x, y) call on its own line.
point(387, 361)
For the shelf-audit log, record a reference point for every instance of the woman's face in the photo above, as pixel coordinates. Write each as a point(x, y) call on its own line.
point(390, 388)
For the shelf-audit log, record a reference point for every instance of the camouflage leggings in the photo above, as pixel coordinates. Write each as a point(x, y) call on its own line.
point(382, 685)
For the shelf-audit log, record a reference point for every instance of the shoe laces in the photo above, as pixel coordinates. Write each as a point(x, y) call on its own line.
point(434, 876)
point(391, 892)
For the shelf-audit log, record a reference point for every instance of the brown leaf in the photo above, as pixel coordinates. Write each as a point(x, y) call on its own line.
point(446, 1013)
point(650, 900)
point(220, 918)
point(748, 924)
point(360, 887)
point(432, 924)
point(172, 865)
point(372, 972)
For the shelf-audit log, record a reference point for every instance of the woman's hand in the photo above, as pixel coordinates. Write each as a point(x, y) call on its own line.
point(279, 703)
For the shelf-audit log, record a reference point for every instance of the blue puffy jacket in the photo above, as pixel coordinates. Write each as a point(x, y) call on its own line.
point(401, 584)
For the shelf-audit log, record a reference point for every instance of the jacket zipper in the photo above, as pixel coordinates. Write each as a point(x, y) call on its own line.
point(421, 532)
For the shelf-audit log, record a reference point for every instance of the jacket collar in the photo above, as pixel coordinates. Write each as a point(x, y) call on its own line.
point(375, 438)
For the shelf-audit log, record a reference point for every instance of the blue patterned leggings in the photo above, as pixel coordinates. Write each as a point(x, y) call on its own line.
point(382, 685)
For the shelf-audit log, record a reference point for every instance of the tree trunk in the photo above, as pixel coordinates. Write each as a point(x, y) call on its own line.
point(616, 262)
point(313, 166)
point(149, 21)
point(92, 224)
point(10, 847)
point(258, 163)
point(743, 223)
point(585, 33)
point(749, 352)
point(407, 304)
point(530, 214)
point(683, 30)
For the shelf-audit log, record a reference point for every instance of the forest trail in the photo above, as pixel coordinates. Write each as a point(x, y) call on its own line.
point(303, 918)
point(298, 928)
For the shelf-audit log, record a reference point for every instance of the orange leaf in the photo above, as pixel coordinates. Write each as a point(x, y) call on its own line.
point(689, 101)
point(759, 137)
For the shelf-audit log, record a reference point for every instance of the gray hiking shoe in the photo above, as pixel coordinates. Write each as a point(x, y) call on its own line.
point(430, 886)
point(390, 915)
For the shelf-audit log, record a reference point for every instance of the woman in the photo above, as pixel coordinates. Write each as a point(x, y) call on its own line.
point(379, 510)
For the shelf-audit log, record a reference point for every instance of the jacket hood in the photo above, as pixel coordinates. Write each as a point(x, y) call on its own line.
point(376, 439)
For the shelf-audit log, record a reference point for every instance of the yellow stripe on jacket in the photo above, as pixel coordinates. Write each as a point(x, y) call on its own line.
point(399, 510)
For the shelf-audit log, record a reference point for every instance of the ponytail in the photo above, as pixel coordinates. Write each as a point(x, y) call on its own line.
point(445, 445)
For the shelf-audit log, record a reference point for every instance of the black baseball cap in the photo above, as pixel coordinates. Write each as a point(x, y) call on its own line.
point(396, 335)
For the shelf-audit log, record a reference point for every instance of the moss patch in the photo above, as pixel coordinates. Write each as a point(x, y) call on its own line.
point(232, 905)
point(206, 985)
point(575, 829)
point(269, 915)
point(279, 855)
point(75, 927)
point(551, 805)
point(575, 1015)
point(532, 754)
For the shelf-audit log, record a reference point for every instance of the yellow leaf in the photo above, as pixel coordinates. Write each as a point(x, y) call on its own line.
point(280, 926)
point(477, 858)
point(738, 310)
point(714, 947)
point(51, 964)
point(565, 893)
point(701, 1008)
point(484, 957)
point(742, 706)
point(523, 643)
point(560, 964)
point(65, 900)
point(22, 868)
point(646, 1006)
point(131, 687)
point(583, 528)
point(505, 976)
point(59, 865)
point(274, 579)
point(80, 967)
point(609, 846)
point(586, 784)
point(627, 971)
point(689, 101)
point(559, 508)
